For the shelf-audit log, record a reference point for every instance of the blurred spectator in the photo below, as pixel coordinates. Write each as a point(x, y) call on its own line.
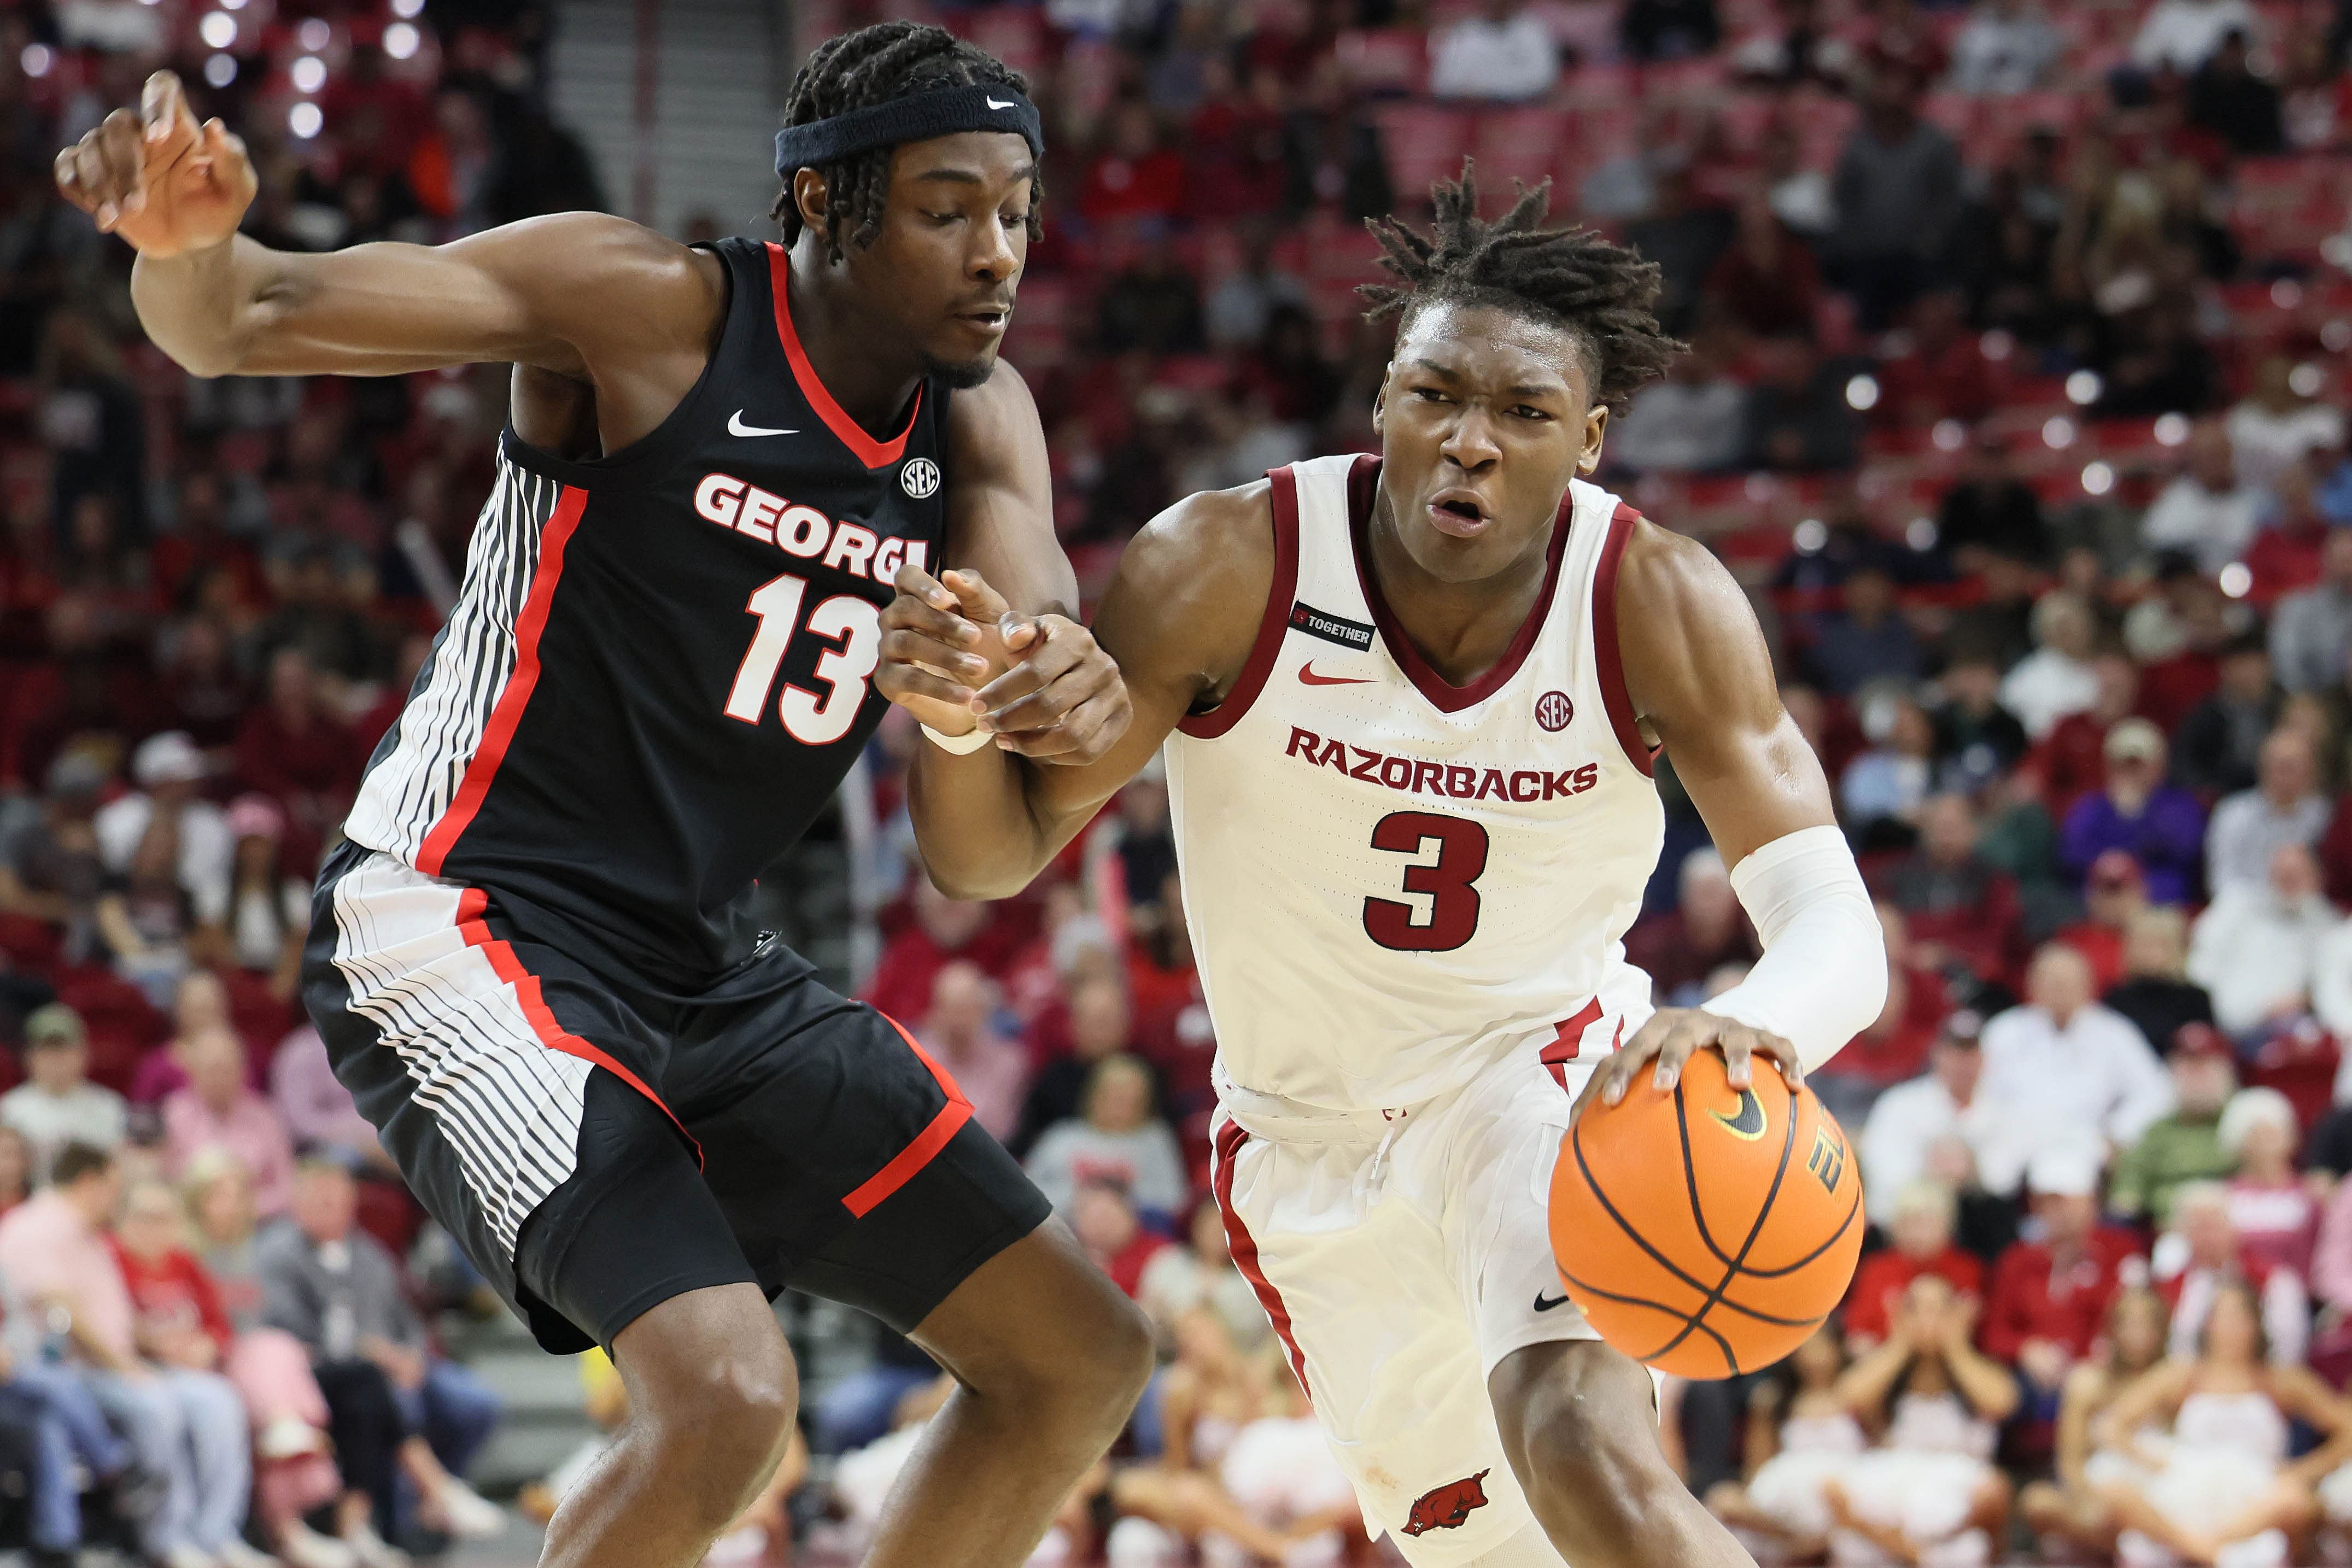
point(2256, 947)
point(2181, 36)
point(1504, 51)
point(2331, 988)
point(1118, 1139)
point(334, 1287)
point(292, 749)
point(1797, 418)
point(1991, 511)
point(2212, 1262)
point(184, 1423)
point(2158, 828)
point(1690, 422)
point(1894, 1046)
point(1888, 782)
point(2311, 631)
point(1922, 1237)
point(15, 1167)
point(169, 769)
point(1241, 306)
point(218, 1108)
point(1684, 230)
point(1200, 1277)
point(199, 1005)
point(1134, 177)
point(2072, 759)
point(1099, 1026)
point(2226, 97)
point(1766, 281)
point(2184, 1146)
point(2210, 512)
point(2156, 993)
point(2051, 1295)
point(1976, 737)
point(2285, 808)
point(1151, 304)
point(942, 929)
point(2067, 1510)
point(2007, 47)
point(58, 1104)
point(1905, 1121)
point(1939, 371)
point(2288, 555)
point(1898, 191)
point(1960, 906)
point(268, 912)
point(1866, 640)
point(49, 867)
point(2060, 1066)
point(2274, 428)
point(2112, 894)
point(1107, 1228)
point(2221, 739)
point(1668, 29)
point(2058, 677)
point(2276, 1216)
point(1679, 948)
point(960, 1029)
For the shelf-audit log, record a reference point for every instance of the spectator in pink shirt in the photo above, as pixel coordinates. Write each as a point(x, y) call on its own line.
point(2276, 1216)
point(187, 1425)
point(218, 1108)
point(315, 1107)
point(960, 1031)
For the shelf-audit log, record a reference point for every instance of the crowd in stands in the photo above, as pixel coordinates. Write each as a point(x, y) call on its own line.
point(2016, 396)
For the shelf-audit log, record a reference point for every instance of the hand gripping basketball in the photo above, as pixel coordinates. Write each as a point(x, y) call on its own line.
point(1670, 1037)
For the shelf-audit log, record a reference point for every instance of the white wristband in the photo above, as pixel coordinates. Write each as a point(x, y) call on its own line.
point(1823, 978)
point(961, 745)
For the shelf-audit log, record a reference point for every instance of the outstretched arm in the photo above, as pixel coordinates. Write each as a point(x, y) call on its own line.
point(1701, 680)
point(582, 295)
point(1178, 622)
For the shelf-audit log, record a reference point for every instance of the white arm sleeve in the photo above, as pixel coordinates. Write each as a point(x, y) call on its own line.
point(1823, 978)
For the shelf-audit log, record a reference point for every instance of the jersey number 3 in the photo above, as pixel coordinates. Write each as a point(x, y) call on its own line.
point(855, 627)
point(1447, 882)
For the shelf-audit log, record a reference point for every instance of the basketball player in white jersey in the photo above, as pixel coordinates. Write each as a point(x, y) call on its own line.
point(1410, 705)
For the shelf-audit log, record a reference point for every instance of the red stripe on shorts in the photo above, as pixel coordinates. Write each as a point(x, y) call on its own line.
point(927, 1142)
point(1244, 1246)
point(509, 968)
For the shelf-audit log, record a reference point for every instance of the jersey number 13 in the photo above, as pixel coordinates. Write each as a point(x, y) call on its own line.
point(851, 624)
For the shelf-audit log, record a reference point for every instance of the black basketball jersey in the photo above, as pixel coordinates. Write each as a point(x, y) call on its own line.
point(662, 661)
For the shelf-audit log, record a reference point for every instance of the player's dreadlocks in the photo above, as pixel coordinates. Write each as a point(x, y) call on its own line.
point(858, 70)
point(1601, 291)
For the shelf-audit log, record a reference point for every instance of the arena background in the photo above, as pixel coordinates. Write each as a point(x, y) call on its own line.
point(2016, 397)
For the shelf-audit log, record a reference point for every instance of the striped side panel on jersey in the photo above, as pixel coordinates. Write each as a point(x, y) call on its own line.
point(442, 728)
point(506, 1102)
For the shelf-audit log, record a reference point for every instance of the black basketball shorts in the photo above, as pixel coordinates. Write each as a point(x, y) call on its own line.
point(597, 1147)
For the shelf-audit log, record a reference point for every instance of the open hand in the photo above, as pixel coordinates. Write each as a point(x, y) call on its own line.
point(1670, 1037)
point(957, 656)
point(157, 178)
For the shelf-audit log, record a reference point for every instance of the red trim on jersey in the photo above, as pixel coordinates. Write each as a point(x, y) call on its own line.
point(1244, 1246)
point(1608, 656)
point(1568, 1040)
point(1273, 626)
point(506, 713)
point(1363, 488)
point(865, 448)
point(471, 903)
point(927, 1142)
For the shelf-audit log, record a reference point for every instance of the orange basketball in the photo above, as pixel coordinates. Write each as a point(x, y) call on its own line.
point(1706, 1230)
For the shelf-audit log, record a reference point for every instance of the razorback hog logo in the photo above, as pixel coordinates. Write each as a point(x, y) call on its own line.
point(1447, 1507)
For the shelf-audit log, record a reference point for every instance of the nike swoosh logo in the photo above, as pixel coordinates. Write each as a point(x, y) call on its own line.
point(735, 427)
point(1750, 1122)
point(1307, 677)
point(993, 104)
point(1544, 1306)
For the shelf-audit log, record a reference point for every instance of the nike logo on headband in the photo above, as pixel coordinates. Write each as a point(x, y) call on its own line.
point(994, 104)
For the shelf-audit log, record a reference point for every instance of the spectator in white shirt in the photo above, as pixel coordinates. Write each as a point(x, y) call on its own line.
point(2007, 47)
point(168, 768)
point(1504, 53)
point(2057, 678)
point(2311, 631)
point(57, 1104)
point(2276, 426)
point(1692, 421)
point(2058, 1066)
point(2208, 513)
point(2256, 947)
point(2283, 807)
point(2331, 993)
point(2201, 1250)
point(1906, 1121)
point(2181, 35)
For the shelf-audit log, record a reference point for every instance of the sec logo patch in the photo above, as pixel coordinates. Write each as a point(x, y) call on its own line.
point(1553, 710)
point(920, 477)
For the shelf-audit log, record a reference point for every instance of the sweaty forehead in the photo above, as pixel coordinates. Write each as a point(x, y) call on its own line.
point(1493, 347)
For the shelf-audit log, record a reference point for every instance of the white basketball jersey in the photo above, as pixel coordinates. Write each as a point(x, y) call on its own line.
point(1392, 882)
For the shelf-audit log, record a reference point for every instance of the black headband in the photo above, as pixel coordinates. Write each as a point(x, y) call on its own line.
point(991, 106)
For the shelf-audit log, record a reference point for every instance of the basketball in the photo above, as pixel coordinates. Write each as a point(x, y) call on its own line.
point(1706, 1230)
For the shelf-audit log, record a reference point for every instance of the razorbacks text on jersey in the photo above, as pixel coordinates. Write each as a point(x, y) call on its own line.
point(1391, 882)
point(661, 663)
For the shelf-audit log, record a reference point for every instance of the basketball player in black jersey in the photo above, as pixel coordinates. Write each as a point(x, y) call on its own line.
point(639, 1118)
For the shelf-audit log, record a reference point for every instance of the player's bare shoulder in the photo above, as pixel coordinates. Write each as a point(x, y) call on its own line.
point(1692, 649)
point(1192, 590)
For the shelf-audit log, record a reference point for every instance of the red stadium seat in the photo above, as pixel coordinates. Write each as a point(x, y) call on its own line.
point(122, 1026)
point(1524, 144)
point(1422, 143)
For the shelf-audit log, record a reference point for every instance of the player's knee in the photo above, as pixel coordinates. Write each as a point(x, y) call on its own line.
point(1116, 1355)
point(725, 1426)
point(1579, 1421)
